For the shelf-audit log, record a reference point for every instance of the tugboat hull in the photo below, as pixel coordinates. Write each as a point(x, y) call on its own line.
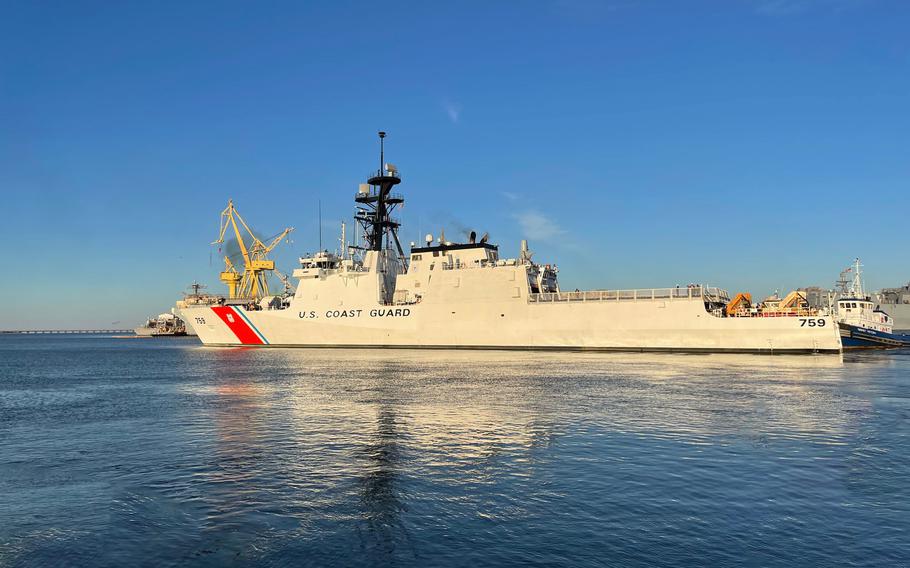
point(855, 337)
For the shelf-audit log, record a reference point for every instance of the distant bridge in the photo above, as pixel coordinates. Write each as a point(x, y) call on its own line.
point(64, 331)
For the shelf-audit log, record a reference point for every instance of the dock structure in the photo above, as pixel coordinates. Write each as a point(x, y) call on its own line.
point(63, 331)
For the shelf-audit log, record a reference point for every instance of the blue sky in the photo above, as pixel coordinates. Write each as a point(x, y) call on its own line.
point(755, 145)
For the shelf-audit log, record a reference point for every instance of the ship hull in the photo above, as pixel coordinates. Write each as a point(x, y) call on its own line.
point(855, 337)
point(674, 325)
point(179, 313)
point(150, 332)
point(900, 314)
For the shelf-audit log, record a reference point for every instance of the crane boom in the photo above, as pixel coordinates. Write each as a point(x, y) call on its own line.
point(253, 282)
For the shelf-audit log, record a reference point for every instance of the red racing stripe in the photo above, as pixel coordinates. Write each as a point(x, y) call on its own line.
point(236, 324)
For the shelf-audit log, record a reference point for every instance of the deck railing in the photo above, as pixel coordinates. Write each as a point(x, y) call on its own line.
point(687, 293)
point(384, 173)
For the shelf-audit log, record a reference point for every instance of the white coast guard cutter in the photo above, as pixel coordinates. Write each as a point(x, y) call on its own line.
point(443, 294)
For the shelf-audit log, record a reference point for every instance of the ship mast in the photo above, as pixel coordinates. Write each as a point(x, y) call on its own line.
point(852, 287)
point(858, 280)
point(195, 287)
point(380, 230)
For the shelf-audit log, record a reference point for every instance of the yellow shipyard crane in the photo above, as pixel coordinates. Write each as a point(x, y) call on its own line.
point(253, 283)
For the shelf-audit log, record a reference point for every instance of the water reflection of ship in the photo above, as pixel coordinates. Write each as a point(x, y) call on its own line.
point(469, 437)
point(379, 492)
point(506, 399)
point(469, 405)
point(453, 414)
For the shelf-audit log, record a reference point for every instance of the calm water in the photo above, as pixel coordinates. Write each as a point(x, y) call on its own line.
point(130, 452)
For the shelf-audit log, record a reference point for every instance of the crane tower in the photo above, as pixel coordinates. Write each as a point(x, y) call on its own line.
point(252, 283)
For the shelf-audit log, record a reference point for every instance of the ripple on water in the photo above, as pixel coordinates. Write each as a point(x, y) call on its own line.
point(164, 453)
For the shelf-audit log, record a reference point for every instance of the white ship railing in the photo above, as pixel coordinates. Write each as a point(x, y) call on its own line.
point(687, 293)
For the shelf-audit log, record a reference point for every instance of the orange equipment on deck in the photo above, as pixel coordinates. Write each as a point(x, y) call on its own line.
point(794, 304)
point(740, 303)
point(795, 300)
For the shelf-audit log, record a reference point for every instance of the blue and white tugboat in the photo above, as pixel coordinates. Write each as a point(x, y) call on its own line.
point(862, 325)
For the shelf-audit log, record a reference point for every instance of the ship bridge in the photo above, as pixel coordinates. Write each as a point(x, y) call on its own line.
point(455, 255)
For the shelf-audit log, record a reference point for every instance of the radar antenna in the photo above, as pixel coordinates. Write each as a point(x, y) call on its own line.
point(194, 288)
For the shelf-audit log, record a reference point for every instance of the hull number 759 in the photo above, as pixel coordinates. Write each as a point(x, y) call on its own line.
point(812, 322)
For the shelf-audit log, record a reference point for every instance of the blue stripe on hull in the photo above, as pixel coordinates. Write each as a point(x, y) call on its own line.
point(850, 342)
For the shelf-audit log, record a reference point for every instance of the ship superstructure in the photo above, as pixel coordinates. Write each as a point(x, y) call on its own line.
point(195, 297)
point(444, 294)
point(896, 301)
point(161, 326)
